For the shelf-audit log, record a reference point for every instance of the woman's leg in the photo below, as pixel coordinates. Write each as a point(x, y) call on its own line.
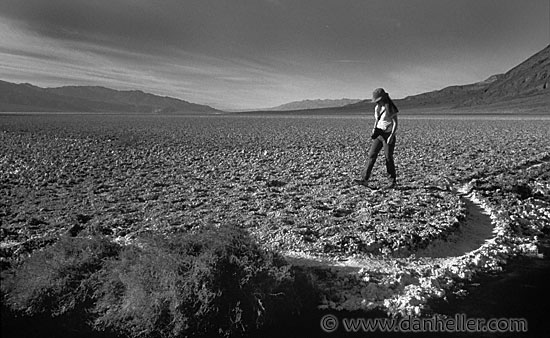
point(390, 164)
point(373, 154)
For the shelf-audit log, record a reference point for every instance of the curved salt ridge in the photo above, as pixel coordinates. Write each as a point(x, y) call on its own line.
point(404, 285)
point(471, 235)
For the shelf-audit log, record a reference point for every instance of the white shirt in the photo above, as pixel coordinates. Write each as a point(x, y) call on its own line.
point(385, 122)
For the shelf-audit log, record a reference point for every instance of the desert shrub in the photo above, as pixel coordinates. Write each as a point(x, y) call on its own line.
point(54, 286)
point(57, 279)
point(215, 281)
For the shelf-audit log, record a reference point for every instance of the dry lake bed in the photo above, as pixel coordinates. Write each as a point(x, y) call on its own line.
point(473, 192)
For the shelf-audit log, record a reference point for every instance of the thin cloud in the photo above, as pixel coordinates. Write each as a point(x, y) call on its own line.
point(351, 61)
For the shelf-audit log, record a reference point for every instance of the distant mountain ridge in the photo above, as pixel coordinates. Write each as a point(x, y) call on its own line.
point(449, 96)
point(27, 97)
point(314, 104)
point(526, 85)
point(530, 78)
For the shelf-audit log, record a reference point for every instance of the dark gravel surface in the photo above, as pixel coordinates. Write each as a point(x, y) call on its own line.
point(287, 179)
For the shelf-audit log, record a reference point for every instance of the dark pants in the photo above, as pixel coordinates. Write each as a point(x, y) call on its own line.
point(377, 144)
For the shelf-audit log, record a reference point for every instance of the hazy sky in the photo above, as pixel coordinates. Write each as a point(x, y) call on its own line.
point(262, 53)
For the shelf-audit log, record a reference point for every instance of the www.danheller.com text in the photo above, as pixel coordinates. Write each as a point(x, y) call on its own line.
point(458, 323)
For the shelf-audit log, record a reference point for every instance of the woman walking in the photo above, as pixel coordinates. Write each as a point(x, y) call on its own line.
point(383, 135)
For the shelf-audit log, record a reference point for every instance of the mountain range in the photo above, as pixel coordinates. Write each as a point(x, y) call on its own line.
point(28, 98)
point(314, 104)
point(524, 87)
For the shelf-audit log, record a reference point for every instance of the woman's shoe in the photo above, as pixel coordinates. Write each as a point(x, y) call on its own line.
point(362, 182)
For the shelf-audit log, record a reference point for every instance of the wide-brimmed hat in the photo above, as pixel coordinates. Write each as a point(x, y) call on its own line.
point(378, 94)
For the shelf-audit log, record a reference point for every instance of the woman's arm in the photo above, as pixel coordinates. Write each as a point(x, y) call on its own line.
point(391, 139)
point(376, 115)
